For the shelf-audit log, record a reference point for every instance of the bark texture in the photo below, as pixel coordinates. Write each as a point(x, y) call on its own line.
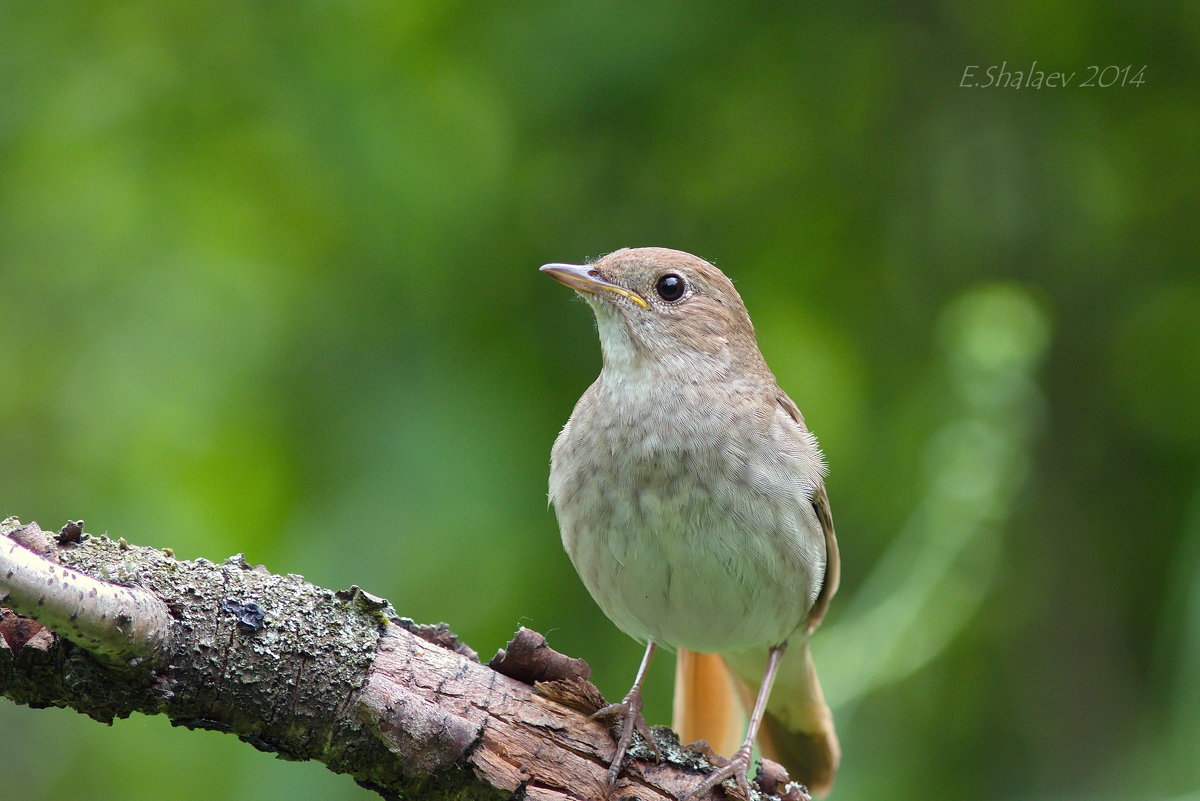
point(108, 629)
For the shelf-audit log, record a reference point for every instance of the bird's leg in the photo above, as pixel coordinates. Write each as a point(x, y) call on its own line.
point(739, 764)
point(630, 710)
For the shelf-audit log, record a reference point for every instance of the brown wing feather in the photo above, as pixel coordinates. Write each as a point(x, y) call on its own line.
point(833, 562)
point(820, 503)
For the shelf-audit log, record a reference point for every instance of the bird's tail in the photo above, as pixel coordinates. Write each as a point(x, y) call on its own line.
point(708, 703)
point(712, 693)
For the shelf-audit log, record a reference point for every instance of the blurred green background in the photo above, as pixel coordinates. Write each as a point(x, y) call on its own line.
point(268, 283)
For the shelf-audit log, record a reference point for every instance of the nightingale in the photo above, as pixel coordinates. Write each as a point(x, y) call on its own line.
point(690, 497)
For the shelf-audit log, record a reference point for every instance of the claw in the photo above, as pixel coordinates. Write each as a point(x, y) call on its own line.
point(734, 768)
point(630, 712)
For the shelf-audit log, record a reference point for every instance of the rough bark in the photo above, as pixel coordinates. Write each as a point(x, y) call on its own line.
point(109, 629)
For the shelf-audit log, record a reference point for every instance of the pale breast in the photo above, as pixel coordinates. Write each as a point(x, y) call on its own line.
point(690, 527)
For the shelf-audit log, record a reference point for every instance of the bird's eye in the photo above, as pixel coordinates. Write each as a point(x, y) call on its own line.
point(670, 287)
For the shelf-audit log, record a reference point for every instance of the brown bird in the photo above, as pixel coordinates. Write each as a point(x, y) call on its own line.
point(691, 500)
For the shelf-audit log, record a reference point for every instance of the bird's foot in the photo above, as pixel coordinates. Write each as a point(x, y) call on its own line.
point(629, 710)
point(734, 768)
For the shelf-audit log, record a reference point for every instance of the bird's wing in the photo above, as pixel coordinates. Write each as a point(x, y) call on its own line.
point(833, 563)
point(820, 503)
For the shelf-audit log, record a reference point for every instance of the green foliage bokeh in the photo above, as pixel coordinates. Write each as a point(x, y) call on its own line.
point(268, 284)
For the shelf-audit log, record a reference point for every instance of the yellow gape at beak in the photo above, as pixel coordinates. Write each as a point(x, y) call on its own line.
point(584, 278)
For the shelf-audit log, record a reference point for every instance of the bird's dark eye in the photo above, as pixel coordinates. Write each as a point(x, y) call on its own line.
point(670, 287)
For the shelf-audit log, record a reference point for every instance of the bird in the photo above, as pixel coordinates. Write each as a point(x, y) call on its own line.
point(690, 496)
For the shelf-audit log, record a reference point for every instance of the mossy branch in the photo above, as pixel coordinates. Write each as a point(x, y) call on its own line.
point(108, 629)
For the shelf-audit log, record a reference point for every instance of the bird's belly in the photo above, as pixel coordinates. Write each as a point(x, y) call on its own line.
point(673, 561)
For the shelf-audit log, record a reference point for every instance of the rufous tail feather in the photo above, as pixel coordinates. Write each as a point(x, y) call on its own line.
point(707, 703)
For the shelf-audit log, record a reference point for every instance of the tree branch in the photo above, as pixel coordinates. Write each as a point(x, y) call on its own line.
point(108, 620)
point(306, 673)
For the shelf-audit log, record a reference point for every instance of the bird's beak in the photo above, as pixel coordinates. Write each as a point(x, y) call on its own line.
point(584, 278)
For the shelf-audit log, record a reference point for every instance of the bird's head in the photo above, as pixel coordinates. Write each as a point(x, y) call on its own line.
point(656, 306)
